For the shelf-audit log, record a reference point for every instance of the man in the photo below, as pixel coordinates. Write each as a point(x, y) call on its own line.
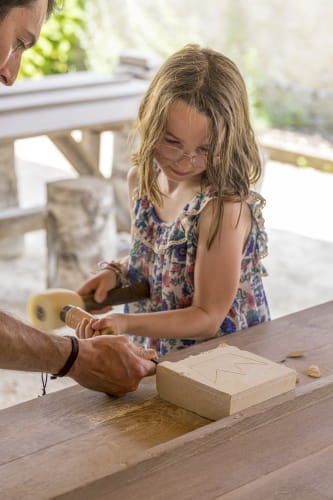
point(109, 364)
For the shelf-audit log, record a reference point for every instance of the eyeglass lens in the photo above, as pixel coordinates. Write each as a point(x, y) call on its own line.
point(175, 154)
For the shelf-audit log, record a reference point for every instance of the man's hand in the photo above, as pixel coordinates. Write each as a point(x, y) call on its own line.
point(112, 364)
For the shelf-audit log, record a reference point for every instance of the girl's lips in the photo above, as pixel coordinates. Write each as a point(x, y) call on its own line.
point(177, 172)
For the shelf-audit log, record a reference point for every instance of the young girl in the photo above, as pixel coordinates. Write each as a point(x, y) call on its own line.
point(197, 229)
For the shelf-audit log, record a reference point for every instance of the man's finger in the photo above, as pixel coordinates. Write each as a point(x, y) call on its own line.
point(151, 368)
point(147, 353)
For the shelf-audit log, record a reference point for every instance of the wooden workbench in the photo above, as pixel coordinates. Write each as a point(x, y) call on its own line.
point(78, 444)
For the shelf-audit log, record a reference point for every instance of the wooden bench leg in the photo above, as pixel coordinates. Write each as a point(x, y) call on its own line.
point(80, 229)
point(84, 155)
point(13, 246)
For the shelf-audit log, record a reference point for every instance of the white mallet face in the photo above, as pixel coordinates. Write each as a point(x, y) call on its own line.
point(44, 308)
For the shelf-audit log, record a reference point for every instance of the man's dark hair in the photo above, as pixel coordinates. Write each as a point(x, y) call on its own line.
point(7, 5)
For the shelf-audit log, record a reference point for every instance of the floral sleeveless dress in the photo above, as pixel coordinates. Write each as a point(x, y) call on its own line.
point(163, 254)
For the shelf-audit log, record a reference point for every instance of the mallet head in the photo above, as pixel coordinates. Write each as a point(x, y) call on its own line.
point(44, 309)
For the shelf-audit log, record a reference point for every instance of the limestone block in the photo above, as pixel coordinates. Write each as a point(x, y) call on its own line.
point(222, 381)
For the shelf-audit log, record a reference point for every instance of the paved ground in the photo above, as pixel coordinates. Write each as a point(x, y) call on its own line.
point(298, 213)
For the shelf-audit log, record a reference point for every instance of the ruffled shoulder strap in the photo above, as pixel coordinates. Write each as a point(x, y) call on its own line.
point(256, 203)
point(198, 203)
point(159, 235)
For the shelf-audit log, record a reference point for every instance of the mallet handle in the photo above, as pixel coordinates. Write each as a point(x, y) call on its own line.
point(116, 296)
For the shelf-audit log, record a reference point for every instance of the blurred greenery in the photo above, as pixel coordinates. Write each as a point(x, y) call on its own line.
point(302, 161)
point(147, 26)
point(59, 47)
point(90, 35)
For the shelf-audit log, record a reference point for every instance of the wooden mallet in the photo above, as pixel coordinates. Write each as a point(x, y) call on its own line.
point(55, 307)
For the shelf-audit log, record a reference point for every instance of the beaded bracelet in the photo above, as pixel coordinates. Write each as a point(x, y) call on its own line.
point(116, 268)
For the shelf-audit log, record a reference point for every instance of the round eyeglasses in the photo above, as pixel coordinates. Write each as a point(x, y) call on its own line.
point(173, 154)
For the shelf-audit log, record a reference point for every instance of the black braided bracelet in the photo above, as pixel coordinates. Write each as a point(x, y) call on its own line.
point(71, 359)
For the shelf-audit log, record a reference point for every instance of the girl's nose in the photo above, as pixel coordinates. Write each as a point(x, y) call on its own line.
point(188, 158)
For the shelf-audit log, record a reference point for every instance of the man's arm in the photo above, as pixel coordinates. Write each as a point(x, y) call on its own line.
point(108, 364)
point(25, 348)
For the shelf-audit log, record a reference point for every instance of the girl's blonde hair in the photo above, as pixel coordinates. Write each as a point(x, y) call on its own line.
point(210, 83)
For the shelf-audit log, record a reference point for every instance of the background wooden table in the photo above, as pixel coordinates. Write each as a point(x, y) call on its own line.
point(55, 106)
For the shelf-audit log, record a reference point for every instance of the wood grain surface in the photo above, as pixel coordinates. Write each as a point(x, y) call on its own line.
point(78, 444)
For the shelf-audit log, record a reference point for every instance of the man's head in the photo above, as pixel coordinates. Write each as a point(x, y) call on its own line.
point(7, 5)
point(20, 25)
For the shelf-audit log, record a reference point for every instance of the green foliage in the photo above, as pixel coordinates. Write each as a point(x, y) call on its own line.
point(301, 161)
point(249, 65)
point(284, 111)
point(260, 117)
point(58, 49)
point(327, 167)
